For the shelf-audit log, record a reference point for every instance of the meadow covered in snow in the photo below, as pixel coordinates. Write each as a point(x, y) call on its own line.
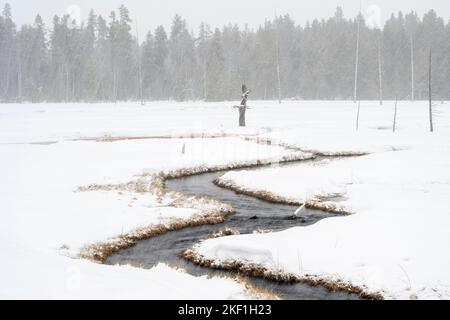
point(394, 242)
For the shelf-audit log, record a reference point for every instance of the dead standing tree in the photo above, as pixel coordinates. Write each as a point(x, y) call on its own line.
point(138, 48)
point(358, 35)
point(394, 125)
point(357, 115)
point(430, 100)
point(243, 106)
point(380, 71)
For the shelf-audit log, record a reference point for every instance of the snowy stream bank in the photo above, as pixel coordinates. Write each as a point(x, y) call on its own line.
point(252, 216)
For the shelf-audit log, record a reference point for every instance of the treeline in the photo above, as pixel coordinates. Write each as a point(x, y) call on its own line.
point(102, 61)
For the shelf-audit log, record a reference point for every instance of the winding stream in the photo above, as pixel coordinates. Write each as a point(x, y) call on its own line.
point(251, 214)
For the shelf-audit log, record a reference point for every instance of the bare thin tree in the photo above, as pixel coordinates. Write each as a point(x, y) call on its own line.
point(277, 48)
point(412, 67)
point(8, 72)
point(380, 83)
point(141, 95)
point(67, 81)
point(355, 96)
point(357, 115)
point(19, 74)
point(394, 124)
point(429, 93)
point(114, 85)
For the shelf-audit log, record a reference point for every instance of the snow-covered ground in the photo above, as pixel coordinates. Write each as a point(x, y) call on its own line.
point(395, 240)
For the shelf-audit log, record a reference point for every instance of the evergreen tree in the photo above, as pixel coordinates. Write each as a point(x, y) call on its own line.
point(125, 58)
point(32, 62)
point(98, 60)
point(8, 55)
point(215, 67)
point(103, 57)
point(203, 40)
point(181, 60)
point(160, 87)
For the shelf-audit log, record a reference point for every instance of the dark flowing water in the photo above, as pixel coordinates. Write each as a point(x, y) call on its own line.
point(251, 214)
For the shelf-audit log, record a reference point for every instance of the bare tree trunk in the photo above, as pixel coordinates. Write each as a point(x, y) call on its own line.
point(394, 126)
point(429, 94)
point(277, 45)
point(141, 93)
point(412, 67)
point(355, 96)
point(19, 78)
point(242, 110)
point(229, 78)
point(8, 71)
point(67, 83)
point(243, 106)
point(380, 83)
point(357, 115)
point(114, 86)
point(278, 72)
point(205, 87)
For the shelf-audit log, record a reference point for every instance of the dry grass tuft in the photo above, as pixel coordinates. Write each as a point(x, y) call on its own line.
point(257, 291)
point(99, 252)
point(259, 271)
point(262, 230)
point(321, 202)
point(259, 194)
point(108, 138)
point(317, 153)
point(225, 232)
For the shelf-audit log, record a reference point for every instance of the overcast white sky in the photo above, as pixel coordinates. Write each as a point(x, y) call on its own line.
point(151, 13)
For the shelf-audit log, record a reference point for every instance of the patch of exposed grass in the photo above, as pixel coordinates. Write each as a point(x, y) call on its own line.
point(100, 251)
point(256, 291)
point(318, 153)
point(225, 232)
point(108, 138)
point(320, 202)
point(279, 276)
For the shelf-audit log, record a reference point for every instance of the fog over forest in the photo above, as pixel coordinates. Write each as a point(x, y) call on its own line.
point(101, 60)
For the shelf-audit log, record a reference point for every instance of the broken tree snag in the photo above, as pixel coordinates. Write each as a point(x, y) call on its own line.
point(242, 116)
point(243, 106)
